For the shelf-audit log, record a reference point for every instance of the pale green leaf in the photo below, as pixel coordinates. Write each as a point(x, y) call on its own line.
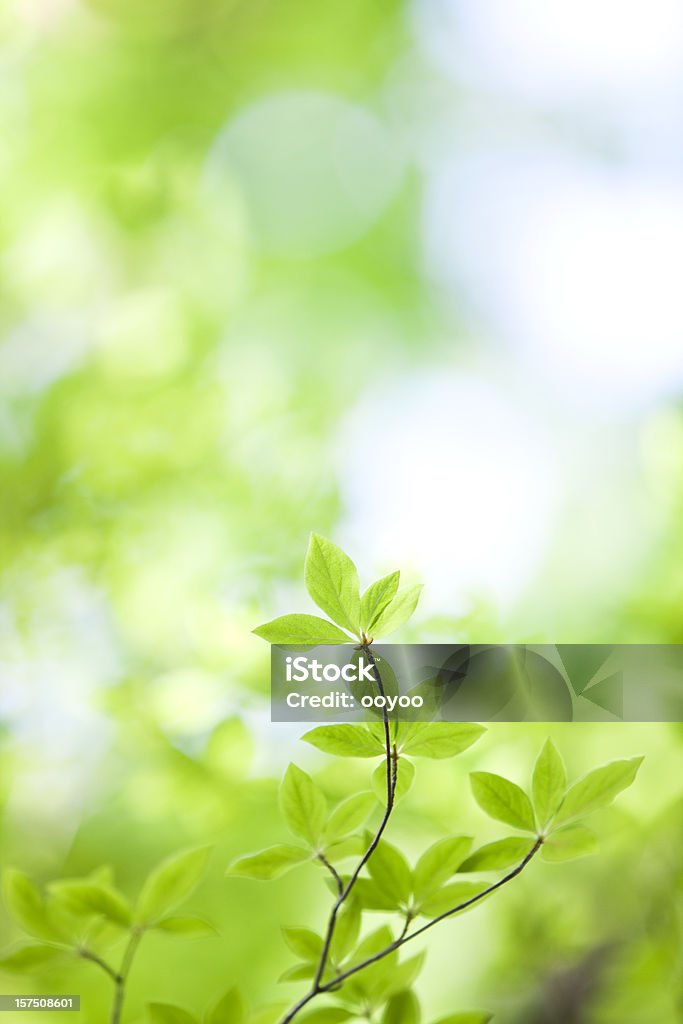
point(438, 864)
point(503, 800)
point(372, 897)
point(304, 943)
point(303, 805)
point(440, 739)
point(170, 883)
point(468, 1017)
point(30, 958)
point(332, 581)
point(268, 864)
point(598, 788)
point(327, 1015)
point(402, 1008)
point(569, 843)
point(500, 854)
point(347, 930)
point(228, 1010)
point(166, 1013)
point(549, 782)
point(397, 612)
point(298, 973)
point(390, 872)
point(349, 815)
point(301, 629)
point(376, 598)
point(25, 904)
point(404, 779)
point(186, 924)
point(346, 740)
point(449, 897)
point(86, 898)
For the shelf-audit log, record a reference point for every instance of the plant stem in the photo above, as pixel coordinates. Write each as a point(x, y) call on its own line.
point(122, 977)
point(333, 871)
point(391, 758)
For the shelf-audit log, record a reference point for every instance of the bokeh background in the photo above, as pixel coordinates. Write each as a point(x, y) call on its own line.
point(405, 273)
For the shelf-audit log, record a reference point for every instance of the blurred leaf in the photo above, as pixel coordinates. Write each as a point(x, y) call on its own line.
point(25, 904)
point(449, 897)
point(332, 581)
point(503, 800)
point(301, 629)
point(327, 1015)
point(170, 883)
point(228, 1010)
point(165, 1013)
point(439, 863)
point(471, 1017)
point(404, 779)
point(345, 740)
point(87, 898)
point(390, 872)
point(299, 972)
point(304, 943)
point(569, 843)
point(548, 783)
point(440, 739)
point(376, 598)
point(352, 846)
point(402, 1008)
point(349, 815)
point(401, 976)
point(397, 612)
point(185, 925)
point(500, 854)
point(268, 864)
point(30, 958)
point(303, 805)
point(598, 788)
point(230, 749)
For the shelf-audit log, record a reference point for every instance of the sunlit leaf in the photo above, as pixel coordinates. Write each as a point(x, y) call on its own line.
point(30, 958)
point(449, 897)
point(349, 815)
point(404, 780)
point(402, 1008)
point(25, 904)
point(549, 782)
point(397, 612)
point(347, 930)
point(304, 943)
point(502, 853)
point(170, 883)
point(332, 581)
point(598, 788)
point(376, 598)
point(569, 843)
point(301, 629)
point(503, 800)
point(440, 739)
point(268, 864)
point(438, 864)
point(185, 925)
point(228, 1010)
point(87, 898)
point(346, 740)
point(303, 805)
point(390, 872)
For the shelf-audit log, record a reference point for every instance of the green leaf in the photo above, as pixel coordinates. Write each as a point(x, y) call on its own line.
point(598, 788)
point(303, 805)
point(86, 898)
point(503, 800)
point(347, 930)
point(549, 782)
point(449, 897)
point(298, 973)
point(390, 872)
point(332, 581)
point(397, 612)
point(349, 815)
point(376, 598)
point(404, 779)
point(228, 1010)
point(304, 943)
point(440, 739)
point(327, 1015)
point(268, 864)
point(185, 925)
point(30, 958)
point(500, 854)
point(165, 1013)
point(402, 1008)
point(345, 740)
point(569, 843)
point(438, 864)
point(402, 976)
point(471, 1017)
point(301, 629)
point(170, 883)
point(26, 904)
point(372, 897)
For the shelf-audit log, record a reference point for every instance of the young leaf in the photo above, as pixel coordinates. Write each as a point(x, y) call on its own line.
point(503, 800)
point(185, 925)
point(372, 897)
point(598, 788)
point(471, 1017)
point(298, 973)
point(440, 739)
point(398, 611)
point(332, 581)
point(303, 805)
point(89, 899)
point(449, 897)
point(438, 864)
point(549, 782)
point(165, 1013)
point(404, 779)
point(400, 977)
point(345, 740)
point(402, 1008)
point(569, 843)
point(328, 1015)
point(347, 930)
point(268, 864)
point(30, 958)
point(301, 629)
point(375, 599)
point(228, 1010)
point(303, 943)
point(390, 872)
point(26, 904)
point(170, 883)
point(500, 854)
point(349, 815)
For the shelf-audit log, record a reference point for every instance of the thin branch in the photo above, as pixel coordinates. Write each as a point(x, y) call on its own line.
point(403, 938)
point(87, 954)
point(122, 978)
point(333, 871)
